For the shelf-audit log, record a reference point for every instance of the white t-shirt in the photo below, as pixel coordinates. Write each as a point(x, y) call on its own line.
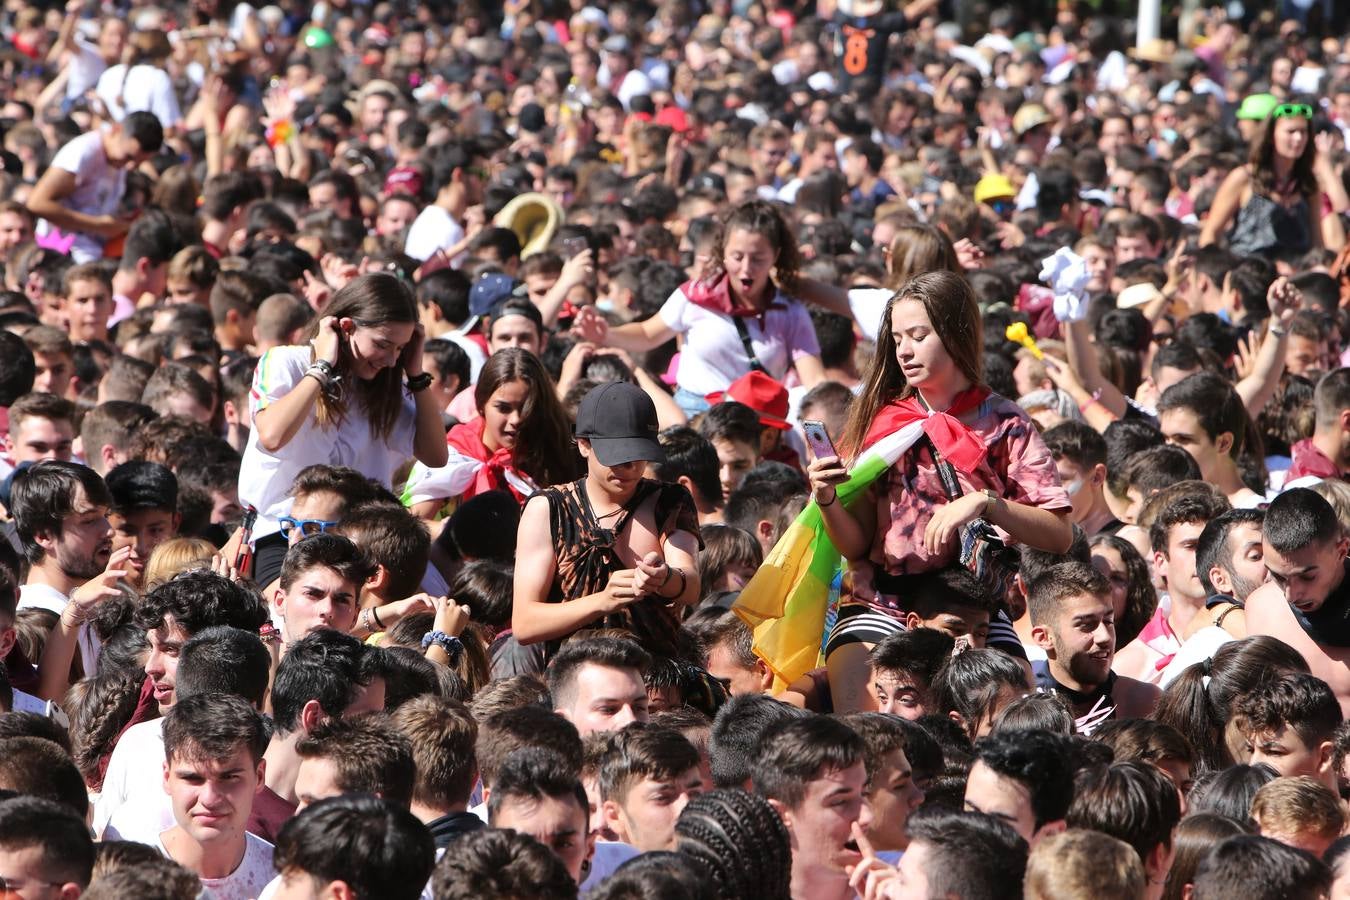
point(84, 66)
point(868, 305)
point(142, 89)
point(433, 229)
point(133, 802)
point(98, 189)
point(247, 881)
point(713, 355)
point(1198, 647)
point(44, 596)
point(265, 478)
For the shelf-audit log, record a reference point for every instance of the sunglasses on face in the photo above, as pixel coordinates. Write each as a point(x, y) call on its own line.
point(1002, 207)
point(1292, 110)
point(307, 527)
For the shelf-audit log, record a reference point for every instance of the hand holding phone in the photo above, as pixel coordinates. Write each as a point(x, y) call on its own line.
point(818, 439)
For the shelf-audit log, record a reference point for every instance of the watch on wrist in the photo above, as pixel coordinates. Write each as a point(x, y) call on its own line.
point(419, 383)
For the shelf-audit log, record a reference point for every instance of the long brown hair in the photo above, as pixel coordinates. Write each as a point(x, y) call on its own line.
point(370, 300)
point(544, 449)
point(763, 218)
point(1262, 162)
point(919, 248)
point(951, 307)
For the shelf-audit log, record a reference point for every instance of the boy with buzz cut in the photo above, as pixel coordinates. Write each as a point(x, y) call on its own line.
point(647, 776)
point(321, 580)
point(1291, 723)
point(144, 511)
point(213, 766)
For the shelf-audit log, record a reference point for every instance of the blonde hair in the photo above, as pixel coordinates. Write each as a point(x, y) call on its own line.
point(1083, 865)
point(174, 556)
point(1337, 493)
point(1302, 805)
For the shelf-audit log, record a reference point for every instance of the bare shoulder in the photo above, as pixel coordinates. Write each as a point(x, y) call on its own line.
point(1135, 699)
point(1266, 608)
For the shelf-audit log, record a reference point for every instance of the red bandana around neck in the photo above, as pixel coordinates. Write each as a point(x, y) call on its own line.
point(715, 294)
point(955, 440)
point(467, 438)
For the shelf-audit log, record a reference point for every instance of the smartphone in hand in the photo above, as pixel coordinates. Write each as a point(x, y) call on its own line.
point(818, 439)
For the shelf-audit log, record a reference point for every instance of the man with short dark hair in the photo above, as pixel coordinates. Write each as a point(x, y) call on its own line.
point(213, 745)
point(1204, 415)
point(902, 670)
point(1306, 603)
point(144, 511)
point(1326, 454)
point(43, 845)
point(647, 775)
point(691, 460)
point(321, 581)
point(539, 794)
point(1080, 459)
point(1173, 535)
point(812, 772)
point(1258, 868)
point(41, 426)
point(1024, 779)
point(1073, 621)
point(502, 864)
point(361, 848)
point(354, 756)
point(1229, 561)
point(81, 189)
point(728, 653)
point(962, 855)
point(891, 792)
point(324, 675)
point(1135, 802)
point(735, 736)
point(597, 685)
point(1291, 724)
point(130, 806)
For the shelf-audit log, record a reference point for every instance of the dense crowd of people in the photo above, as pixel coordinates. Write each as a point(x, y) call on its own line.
point(731, 450)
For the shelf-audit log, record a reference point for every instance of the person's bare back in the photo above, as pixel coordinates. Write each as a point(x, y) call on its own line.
point(1268, 613)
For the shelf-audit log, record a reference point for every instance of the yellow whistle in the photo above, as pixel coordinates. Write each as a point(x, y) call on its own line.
point(1017, 333)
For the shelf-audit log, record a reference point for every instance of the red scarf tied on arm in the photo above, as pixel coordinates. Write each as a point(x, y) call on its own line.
point(955, 440)
point(467, 438)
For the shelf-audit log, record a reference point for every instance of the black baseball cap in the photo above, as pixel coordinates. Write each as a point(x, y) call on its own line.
point(620, 422)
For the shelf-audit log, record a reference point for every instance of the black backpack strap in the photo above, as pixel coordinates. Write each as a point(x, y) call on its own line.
point(950, 484)
point(744, 332)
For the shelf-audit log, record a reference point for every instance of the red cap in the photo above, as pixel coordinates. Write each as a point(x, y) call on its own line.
point(403, 180)
point(761, 393)
point(674, 118)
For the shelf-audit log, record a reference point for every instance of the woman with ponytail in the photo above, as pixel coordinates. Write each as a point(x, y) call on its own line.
point(1199, 702)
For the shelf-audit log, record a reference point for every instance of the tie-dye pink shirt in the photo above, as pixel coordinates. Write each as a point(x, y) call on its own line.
point(1018, 467)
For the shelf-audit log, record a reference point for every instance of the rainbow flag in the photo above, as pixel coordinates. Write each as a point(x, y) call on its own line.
point(787, 599)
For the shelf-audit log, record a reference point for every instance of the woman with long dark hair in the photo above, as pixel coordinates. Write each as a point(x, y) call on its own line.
point(519, 442)
point(1288, 199)
point(739, 317)
point(1133, 596)
point(354, 396)
point(928, 368)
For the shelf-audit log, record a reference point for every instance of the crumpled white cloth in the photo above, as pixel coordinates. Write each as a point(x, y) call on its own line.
point(1067, 275)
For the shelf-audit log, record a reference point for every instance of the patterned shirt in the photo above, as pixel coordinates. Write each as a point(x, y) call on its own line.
point(1018, 467)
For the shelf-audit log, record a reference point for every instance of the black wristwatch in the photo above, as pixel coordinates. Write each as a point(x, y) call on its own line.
point(419, 383)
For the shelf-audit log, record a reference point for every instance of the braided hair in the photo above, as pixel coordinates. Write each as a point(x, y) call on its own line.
point(740, 841)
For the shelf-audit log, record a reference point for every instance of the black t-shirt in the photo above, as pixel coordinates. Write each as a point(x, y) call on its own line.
point(860, 46)
point(1329, 624)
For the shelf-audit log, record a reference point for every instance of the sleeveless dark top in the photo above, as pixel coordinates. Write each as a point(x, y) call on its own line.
point(586, 555)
